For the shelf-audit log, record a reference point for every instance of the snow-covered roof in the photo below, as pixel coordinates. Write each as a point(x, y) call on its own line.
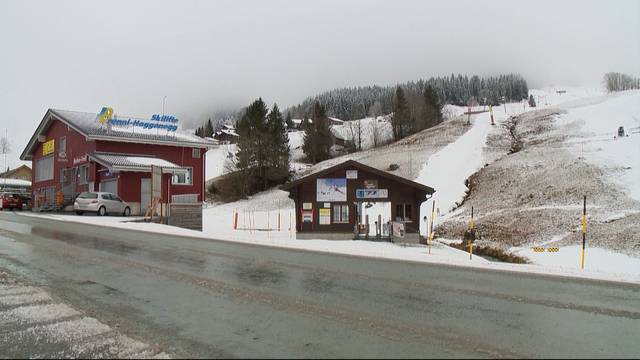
point(85, 123)
point(126, 162)
point(228, 132)
point(14, 182)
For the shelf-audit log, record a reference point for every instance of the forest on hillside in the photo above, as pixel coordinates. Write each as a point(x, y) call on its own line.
point(359, 102)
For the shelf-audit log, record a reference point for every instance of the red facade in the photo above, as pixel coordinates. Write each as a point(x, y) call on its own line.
point(79, 147)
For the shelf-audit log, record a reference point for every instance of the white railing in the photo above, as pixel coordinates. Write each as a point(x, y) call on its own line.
point(184, 199)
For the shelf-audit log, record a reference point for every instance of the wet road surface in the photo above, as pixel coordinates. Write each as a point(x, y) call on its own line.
point(204, 298)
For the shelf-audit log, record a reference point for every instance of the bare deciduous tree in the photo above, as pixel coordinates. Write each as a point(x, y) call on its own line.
point(375, 133)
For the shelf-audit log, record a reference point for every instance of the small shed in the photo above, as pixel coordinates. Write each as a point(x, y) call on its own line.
point(355, 201)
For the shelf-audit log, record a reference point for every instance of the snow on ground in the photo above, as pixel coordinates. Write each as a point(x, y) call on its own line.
point(597, 116)
point(597, 142)
point(597, 260)
point(447, 170)
point(549, 96)
point(216, 159)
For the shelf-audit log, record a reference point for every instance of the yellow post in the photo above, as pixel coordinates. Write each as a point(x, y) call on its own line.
point(472, 224)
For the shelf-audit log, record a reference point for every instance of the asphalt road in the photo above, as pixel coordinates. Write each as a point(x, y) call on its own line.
point(220, 299)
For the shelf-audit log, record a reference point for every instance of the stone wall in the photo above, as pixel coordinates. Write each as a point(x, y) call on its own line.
point(188, 216)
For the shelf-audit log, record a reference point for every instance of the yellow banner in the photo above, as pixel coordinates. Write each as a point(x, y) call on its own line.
point(48, 147)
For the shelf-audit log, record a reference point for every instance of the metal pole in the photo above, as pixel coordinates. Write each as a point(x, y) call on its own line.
point(5, 150)
point(584, 228)
point(433, 210)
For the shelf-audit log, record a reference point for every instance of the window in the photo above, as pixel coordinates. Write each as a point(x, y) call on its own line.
point(195, 153)
point(340, 213)
point(83, 174)
point(403, 212)
point(183, 178)
point(62, 146)
point(105, 197)
point(88, 195)
point(44, 169)
point(115, 197)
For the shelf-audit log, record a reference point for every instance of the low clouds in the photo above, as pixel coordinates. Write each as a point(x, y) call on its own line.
point(208, 56)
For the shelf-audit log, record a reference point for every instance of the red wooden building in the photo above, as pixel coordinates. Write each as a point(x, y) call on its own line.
point(75, 151)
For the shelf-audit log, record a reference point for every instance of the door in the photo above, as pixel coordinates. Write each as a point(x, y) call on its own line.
point(105, 200)
point(118, 205)
point(145, 195)
point(379, 216)
point(110, 186)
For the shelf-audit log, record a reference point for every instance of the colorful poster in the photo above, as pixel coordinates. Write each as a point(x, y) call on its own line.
point(307, 216)
point(372, 193)
point(325, 216)
point(331, 190)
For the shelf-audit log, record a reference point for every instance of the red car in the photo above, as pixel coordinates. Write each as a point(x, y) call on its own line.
point(10, 201)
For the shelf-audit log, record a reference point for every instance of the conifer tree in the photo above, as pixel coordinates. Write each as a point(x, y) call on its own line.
point(318, 138)
point(432, 114)
point(400, 119)
point(208, 131)
point(532, 102)
point(251, 157)
point(278, 148)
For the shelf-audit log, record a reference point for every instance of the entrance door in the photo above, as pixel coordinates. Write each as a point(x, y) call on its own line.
point(379, 215)
point(110, 186)
point(145, 195)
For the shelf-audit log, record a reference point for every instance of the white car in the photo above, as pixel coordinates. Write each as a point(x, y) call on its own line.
point(102, 203)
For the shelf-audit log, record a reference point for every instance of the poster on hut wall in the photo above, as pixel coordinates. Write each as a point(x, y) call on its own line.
point(325, 216)
point(331, 190)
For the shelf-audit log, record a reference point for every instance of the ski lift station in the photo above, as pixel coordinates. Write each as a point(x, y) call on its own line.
point(355, 201)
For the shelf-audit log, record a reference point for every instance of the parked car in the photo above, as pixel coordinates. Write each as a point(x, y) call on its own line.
point(10, 201)
point(102, 203)
point(26, 200)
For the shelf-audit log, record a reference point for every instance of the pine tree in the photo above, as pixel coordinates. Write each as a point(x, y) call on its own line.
point(208, 130)
point(400, 118)
point(532, 102)
point(318, 138)
point(252, 153)
point(278, 148)
point(432, 114)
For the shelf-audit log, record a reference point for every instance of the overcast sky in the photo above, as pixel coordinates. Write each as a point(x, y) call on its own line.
point(211, 55)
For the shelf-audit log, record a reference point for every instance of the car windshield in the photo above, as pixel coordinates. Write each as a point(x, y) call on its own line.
point(88, 195)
